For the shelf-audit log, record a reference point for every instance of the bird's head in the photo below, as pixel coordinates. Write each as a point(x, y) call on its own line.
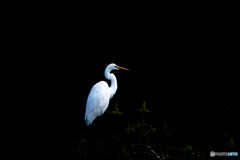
point(113, 66)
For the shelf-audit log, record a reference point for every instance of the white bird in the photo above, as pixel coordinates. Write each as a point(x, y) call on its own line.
point(100, 94)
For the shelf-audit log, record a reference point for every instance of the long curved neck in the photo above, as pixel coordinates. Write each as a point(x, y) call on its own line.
point(111, 76)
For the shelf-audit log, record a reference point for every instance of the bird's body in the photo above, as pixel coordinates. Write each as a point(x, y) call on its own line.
point(100, 95)
point(97, 101)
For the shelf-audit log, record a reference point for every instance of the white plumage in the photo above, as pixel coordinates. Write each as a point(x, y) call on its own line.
point(100, 95)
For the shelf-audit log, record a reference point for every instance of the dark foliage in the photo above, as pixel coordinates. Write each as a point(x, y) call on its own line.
point(139, 139)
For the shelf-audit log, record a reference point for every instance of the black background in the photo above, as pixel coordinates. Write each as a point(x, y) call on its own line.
point(182, 58)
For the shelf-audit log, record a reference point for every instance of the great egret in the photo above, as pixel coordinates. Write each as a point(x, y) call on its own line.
point(100, 94)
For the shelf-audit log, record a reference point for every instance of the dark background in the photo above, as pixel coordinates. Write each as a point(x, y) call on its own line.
point(182, 59)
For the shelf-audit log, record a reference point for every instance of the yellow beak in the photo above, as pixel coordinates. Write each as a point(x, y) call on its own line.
point(122, 68)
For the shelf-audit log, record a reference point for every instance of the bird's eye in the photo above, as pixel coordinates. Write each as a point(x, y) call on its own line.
point(115, 66)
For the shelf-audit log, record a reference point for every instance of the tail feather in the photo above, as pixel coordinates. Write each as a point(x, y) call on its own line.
point(91, 116)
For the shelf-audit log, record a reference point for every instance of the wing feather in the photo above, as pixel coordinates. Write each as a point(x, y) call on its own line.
point(97, 102)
